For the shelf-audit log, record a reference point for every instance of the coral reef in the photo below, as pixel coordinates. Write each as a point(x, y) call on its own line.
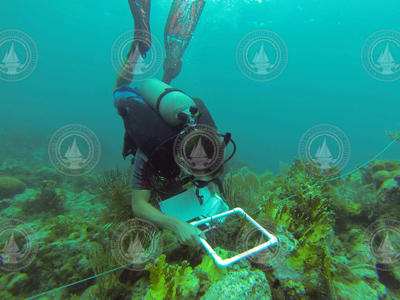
point(321, 254)
point(243, 188)
point(100, 260)
point(114, 187)
point(385, 175)
point(312, 226)
point(10, 186)
point(235, 282)
point(66, 246)
point(48, 200)
point(206, 281)
point(31, 175)
point(11, 285)
point(308, 217)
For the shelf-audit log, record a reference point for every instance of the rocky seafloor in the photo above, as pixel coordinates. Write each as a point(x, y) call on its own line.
point(327, 231)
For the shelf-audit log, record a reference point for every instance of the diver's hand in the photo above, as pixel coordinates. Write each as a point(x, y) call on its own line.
point(187, 234)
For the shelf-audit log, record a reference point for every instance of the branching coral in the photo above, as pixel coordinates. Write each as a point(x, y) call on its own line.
point(307, 208)
point(100, 261)
point(114, 179)
point(114, 185)
point(309, 212)
point(308, 216)
point(206, 281)
point(242, 189)
point(171, 281)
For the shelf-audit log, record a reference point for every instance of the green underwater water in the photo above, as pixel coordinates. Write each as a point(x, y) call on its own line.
point(338, 236)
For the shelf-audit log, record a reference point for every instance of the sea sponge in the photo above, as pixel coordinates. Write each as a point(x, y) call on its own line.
point(10, 186)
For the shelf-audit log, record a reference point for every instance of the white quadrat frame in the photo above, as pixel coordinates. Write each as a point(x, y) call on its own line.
point(272, 240)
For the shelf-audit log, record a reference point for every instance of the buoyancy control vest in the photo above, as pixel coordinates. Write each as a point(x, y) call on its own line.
point(146, 129)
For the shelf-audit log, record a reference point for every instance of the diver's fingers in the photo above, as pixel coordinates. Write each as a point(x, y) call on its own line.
point(198, 231)
point(197, 242)
point(200, 234)
point(197, 236)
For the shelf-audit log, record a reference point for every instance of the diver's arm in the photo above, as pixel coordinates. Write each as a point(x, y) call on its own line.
point(186, 233)
point(126, 71)
point(143, 209)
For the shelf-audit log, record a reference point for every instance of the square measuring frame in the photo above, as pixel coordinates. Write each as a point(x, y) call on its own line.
point(228, 261)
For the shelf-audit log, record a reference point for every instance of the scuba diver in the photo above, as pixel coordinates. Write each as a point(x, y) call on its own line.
point(156, 116)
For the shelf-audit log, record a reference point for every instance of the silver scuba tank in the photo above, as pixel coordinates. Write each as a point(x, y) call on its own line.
point(170, 103)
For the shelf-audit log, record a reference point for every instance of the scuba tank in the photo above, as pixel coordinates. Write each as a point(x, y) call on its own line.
point(173, 105)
